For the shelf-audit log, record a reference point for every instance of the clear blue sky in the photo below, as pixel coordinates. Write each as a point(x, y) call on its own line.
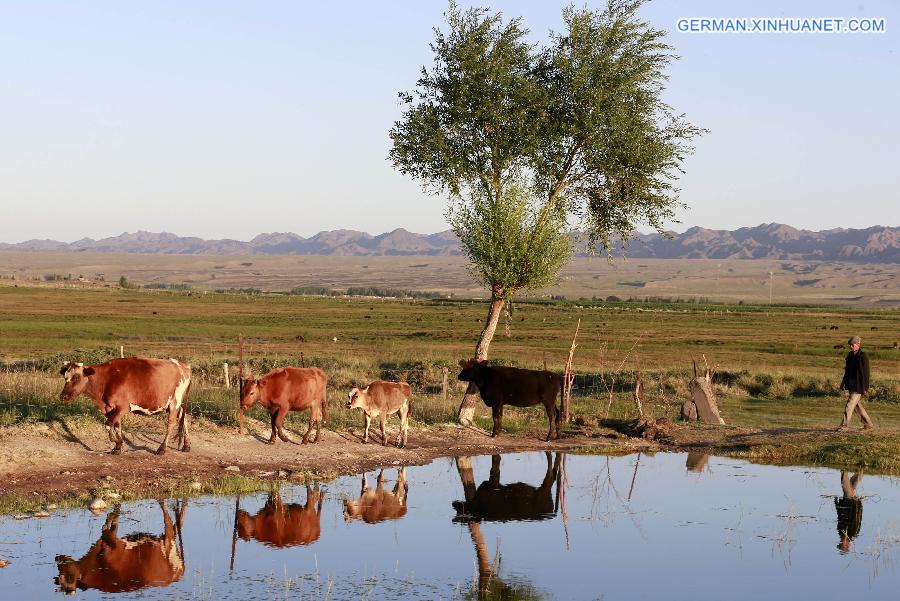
point(227, 119)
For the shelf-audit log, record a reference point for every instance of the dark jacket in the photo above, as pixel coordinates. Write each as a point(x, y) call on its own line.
point(856, 373)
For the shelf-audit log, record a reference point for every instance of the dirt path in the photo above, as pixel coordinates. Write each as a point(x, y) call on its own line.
point(71, 457)
point(58, 458)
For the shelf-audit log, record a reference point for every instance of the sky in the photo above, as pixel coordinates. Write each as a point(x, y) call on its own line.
point(224, 119)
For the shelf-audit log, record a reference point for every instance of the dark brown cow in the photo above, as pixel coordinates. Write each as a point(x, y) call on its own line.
point(288, 389)
point(493, 501)
point(136, 385)
point(117, 565)
point(382, 399)
point(378, 505)
point(500, 386)
point(280, 525)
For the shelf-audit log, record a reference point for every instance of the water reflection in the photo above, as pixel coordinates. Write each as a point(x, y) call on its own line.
point(849, 510)
point(696, 461)
point(116, 565)
point(377, 505)
point(283, 525)
point(493, 501)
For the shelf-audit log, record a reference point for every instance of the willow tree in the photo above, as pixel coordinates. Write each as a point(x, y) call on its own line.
point(577, 124)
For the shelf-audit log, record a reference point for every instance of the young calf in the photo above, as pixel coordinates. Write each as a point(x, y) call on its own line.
point(500, 386)
point(288, 389)
point(381, 399)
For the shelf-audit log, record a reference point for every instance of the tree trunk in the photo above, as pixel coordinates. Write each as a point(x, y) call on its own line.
point(467, 407)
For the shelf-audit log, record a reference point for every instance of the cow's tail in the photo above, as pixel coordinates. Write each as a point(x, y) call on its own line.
point(325, 404)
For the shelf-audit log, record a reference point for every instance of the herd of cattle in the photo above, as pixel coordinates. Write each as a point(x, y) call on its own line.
point(150, 386)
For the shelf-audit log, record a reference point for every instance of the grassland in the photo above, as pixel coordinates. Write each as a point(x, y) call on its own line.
point(776, 367)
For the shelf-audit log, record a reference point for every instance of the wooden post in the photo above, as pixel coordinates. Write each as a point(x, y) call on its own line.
point(639, 388)
point(121, 352)
point(444, 385)
point(227, 379)
point(569, 377)
point(241, 382)
point(302, 360)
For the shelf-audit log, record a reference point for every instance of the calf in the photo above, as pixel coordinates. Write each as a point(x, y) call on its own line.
point(280, 525)
point(378, 505)
point(136, 385)
point(500, 386)
point(288, 389)
point(117, 565)
point(381, 399)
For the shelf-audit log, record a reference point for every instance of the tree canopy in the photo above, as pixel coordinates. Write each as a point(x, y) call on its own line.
point(579, 119)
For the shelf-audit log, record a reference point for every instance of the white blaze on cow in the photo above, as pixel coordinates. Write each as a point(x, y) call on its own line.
point(134, 384)
point(381, 399)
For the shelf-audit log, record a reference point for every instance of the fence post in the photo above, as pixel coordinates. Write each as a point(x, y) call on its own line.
point(444, 383)
point(121, 351)
point(227, 379)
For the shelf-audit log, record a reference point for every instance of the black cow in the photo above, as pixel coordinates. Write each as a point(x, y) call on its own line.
point(500, 386)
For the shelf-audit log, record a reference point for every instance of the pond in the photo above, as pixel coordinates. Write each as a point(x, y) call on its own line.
point(517, 526)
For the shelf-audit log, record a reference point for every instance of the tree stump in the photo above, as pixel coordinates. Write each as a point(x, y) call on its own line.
point(703, 398)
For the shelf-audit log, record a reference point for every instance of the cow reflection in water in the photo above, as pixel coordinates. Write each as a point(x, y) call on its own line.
point(118, 565)
point(284, 525)
point(377, 505)
point(493, 501)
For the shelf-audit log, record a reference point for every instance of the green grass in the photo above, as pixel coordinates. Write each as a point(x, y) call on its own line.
point(775, 366)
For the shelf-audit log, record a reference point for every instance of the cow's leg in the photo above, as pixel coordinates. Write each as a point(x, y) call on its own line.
point(110, 533)
point(274, 412)
point(279, 424)
point(550, 408)
point(318, 429)
point(364, 485)
point(497, 413)
point(383, 420)
point(171, 419)
point(368, 423)
point(113, 427)
point(184, 420)
point(308, 428)
point(404, 425)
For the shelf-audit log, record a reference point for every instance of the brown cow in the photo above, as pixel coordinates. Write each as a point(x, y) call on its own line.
point(382, 399)
point(288, 389)
point(378, 505)
point(280, 525)
point(117, 565)
point(145, 386)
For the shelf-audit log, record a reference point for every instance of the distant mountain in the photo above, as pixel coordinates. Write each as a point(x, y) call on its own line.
point(877, 244)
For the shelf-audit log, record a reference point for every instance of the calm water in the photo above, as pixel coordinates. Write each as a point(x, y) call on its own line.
point(639, 527)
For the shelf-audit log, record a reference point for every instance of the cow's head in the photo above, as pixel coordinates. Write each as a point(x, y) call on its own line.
point(354, 399)
point(471, 369)
point(250, 392)
point(69, 579)
point(76, 376)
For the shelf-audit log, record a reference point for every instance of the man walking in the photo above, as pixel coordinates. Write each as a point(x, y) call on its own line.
point(856, 383)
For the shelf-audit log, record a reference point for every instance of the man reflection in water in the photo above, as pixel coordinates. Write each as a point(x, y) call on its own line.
point(849, 511)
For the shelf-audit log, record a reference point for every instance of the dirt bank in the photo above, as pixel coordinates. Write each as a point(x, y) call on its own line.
point(68, 458)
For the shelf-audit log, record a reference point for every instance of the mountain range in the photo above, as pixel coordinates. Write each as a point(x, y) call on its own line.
point(878, 244)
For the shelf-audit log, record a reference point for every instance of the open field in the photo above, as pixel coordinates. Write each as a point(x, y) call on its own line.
point(731, 281)
point(777, 373)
